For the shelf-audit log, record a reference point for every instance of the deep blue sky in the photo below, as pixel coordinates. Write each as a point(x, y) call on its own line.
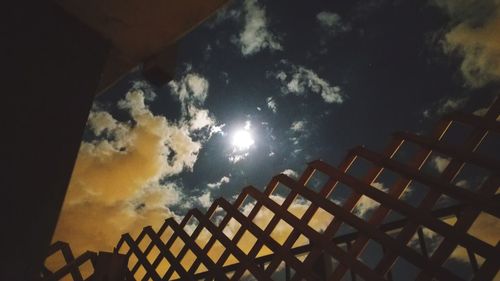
point(388, 63)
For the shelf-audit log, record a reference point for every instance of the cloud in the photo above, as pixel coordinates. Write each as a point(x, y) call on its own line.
point(218, 184)
point(366, 204)
point(256, 35)
point(191, 90)
point(205, 200)
point(235, 158)
point(332, 22)
point(225, 13)
point(483, 111)
point(299, 80)
point(474, 35)
point(271, 104)
point(120, 179)
point(445, 106)
point(440, 163)
point(291, 173)
point(200, 119)
point(298, 126)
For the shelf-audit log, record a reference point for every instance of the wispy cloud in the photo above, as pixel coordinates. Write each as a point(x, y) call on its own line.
point(271, 104)
point(299, 80)
point(218, 184)
point(291, 173)
point(332, 22)
point(256, 35)
point(445, 106)
point(191, 89)
point(298, 126)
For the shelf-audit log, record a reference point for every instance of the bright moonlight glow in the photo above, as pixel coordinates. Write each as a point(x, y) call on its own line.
point(242, 140)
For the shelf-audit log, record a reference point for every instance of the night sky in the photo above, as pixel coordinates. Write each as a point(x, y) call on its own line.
point(297, 81)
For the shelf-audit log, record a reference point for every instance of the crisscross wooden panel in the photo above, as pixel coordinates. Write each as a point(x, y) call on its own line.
point(331, 237)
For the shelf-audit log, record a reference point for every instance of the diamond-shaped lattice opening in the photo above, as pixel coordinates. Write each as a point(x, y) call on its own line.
point(247, 205)
point(188, 260)
point(431, 240)
point(360, 168)
point(302, 257)
point(124, 248)
point(301, 241)
point(230, 274)
point(218, 215)
point(201, 268)
point(175, 276)
point(371, 254)
point(324, 265)
point(406, 152)
point(246, 242)
point(445, 201)
point(281, 232)
point(299, 206)
point(331, 264)
point(460, 264)
point(345, 229)
point(153, 254)
point(386, 180)
point(317, 181)
point(203, 238)
point(263, 217)
point(436, 164)
point(247, 276)
point(191, 225)
point(231, 260)
point(456, 134)
point(340, 193)
point(404, 270)
point(216, 251)
point(414, 193)
point(486, 228)
point(280, 193)
point(162, 267)
point(231, 228)
point(264, 251)
point(177, 246)
point(392, 216)
point(86, 269)
point(140, 273)
point(67, 277)
point(281, 271)
point(365, 207)
point(489, 146)
point(55, 261)
point(320, 220)
point(132, 261)
point(144, 243)
point(165, 236)
point(471, 177)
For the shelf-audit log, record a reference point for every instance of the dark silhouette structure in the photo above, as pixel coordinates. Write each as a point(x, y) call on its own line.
point(420, 219)
point(56, 56)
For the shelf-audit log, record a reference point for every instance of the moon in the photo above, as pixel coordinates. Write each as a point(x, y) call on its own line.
point(242, 140)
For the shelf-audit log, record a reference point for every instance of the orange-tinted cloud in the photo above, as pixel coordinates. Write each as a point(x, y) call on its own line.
point(475, 36)
point(115, 186)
